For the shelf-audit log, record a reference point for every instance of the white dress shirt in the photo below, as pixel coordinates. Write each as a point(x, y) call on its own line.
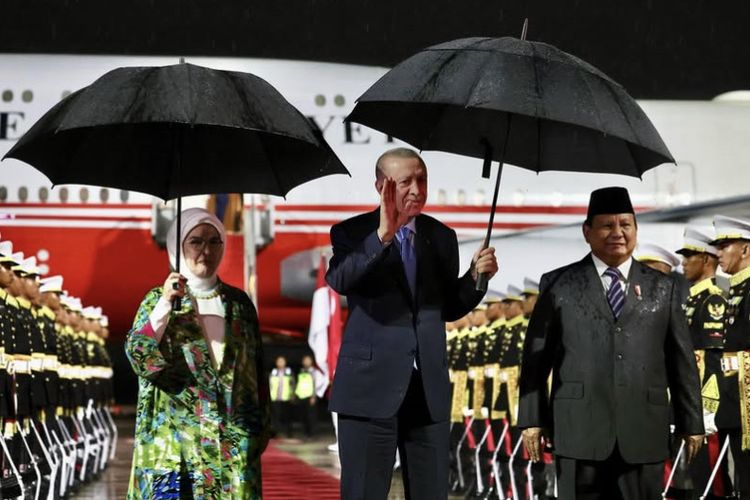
point(624, 269)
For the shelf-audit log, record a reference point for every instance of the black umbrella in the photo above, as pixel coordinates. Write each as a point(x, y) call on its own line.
point(175, 131)
point(509, 100)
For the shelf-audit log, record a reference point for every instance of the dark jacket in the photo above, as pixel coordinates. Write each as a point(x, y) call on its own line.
point(609, 377)
point(387, 328)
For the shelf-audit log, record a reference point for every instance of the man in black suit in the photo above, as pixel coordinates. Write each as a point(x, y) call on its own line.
point(399, 271)
point(613, 334)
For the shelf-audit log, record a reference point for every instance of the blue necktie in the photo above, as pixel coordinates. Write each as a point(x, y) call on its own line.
point(406, 246)
point(615, 294)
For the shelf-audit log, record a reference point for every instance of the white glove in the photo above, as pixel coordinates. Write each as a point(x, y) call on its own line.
point(489, 372)
point(708, 422)
point(472, 374)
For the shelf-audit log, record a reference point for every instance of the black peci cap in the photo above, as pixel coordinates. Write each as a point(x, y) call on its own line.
point(609, 200)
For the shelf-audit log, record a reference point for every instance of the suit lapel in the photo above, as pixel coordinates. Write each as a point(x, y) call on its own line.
point(594, 290)
point(394, 262)
point(424, 255)
point(635, 278)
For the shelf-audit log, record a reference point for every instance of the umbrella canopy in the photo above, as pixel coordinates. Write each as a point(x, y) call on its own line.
point(460, 97)
point(175, 131)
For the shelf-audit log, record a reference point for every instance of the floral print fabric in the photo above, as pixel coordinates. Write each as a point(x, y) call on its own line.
point(199, 429)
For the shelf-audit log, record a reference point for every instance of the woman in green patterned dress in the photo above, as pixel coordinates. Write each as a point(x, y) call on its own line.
point(203, 407)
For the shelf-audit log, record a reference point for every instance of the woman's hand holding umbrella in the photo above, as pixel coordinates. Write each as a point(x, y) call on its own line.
point(174, 287)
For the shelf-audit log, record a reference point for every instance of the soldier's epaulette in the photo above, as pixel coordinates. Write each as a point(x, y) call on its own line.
point(498, 323)
point(47, 312)
point(740, 277)
point(3, 294)
point(12, 301)
point(25, 304)
point(515, 321)
point(451, 334)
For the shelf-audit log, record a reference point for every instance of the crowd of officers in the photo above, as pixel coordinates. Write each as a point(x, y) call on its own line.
point(55, 384)
point(485, 351)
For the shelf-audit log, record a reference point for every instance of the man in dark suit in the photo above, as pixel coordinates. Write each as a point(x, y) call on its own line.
point(613, 334)
point(399, 271)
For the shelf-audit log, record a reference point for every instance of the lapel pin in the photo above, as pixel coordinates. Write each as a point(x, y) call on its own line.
point(637, 290)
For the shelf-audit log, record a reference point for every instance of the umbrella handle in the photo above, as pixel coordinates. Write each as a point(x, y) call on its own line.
point(483, 279)
point(177, 302)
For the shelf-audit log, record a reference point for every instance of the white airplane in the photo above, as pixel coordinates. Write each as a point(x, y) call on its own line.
point(99, 237)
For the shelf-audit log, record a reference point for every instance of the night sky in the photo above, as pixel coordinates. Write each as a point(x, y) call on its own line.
point(663, 49)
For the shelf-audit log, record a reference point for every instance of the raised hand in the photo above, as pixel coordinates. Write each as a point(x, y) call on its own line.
point(391, 219)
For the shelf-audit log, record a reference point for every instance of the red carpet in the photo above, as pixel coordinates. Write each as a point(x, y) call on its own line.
point(288, 477)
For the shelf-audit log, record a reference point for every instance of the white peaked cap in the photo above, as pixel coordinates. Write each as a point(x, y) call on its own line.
point(514, 293)
point(730, 228)
point(530, 286)
point(27, 265)
point(6, 248)
point(75, 304)
point(493, 296)
point(91, 312)
point(651, 252)
point(698, 239)
point(51, 284)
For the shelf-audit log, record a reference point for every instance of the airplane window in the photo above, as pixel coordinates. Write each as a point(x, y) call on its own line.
point(339, 100)
point(461, 197)
point(479, 197)
point(124, 195)
point(63, 195)
point(320, 100)
point(3, 193)
point(27, 96)
point(104, 195)
point(442, 198)
point(23, 194)
point(7, 95)
point(43, 194)
point(84, 195)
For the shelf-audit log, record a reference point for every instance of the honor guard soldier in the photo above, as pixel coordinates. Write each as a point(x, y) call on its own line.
point(281, 383)
point(733, 417)
point(656, 257)
point(496, 317)
point(460, 373)
point(705, 308)
point(108, 392)
point(8, 316)
point(511, 348)
point(50, 290)
point(27, 337)
point(304, 391)
point(476, 359)
point(530, 294)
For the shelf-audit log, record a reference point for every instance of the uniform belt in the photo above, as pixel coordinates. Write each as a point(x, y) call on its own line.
point(20, 366)
point(730, 363)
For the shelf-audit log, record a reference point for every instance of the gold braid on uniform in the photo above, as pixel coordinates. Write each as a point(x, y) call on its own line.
point(744, 383)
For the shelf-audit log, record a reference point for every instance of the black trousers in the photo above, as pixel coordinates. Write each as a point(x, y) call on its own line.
point(610, 479)
point(367, 449)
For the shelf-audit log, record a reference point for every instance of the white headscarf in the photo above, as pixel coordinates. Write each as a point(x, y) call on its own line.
point(191, 218)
